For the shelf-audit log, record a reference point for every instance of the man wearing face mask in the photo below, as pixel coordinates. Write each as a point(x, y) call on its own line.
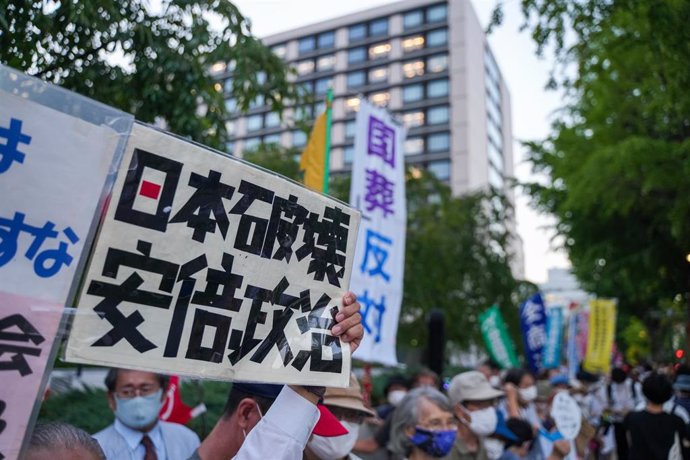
point(347, 405)
point(135, 398)
point(473, 400)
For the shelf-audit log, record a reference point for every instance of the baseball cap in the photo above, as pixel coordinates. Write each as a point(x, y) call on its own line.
point(471, 386)
point(263, 390)
point(348, 398)
point(328, 425)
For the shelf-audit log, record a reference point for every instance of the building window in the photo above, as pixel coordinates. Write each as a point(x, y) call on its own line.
point(381, 98)
point(322, 84)
point(436, 64)
point(379, 51)
point(251, 143)
point(272, 120)
point(440, 169)
point(413, 19)
point(352, 104)
point(357, 32)
point(412, 93)
point(437, 13)
point(437, 115)
point(350, 129)
point(257, 102)
point(413, 43)
point(413, 69)
point(326, 62)
point(356, 55)
point(439, 142)
point(437, 38)
point(230, 147)
point(230, 105)
point(255, 122)
point(227, 85)
point(299, 139)
point(326, 40)
point(279, 50)
point(495, 178)
point(378, 27)
point(378, 74)
point(230, 127)
point(437, 88)
point(414, 146)
point(413, 119)
point(495, 156)
point(272, 139)
point(304, 67)
point(348, 154)
point(306, 45)
point(356, 79)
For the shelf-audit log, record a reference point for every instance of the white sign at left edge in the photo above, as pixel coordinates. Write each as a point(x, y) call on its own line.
point(53, 168)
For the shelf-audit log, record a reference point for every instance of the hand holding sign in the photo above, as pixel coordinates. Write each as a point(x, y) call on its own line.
point(349, 322)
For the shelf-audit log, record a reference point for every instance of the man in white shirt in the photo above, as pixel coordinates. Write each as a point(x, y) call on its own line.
point(135, 398)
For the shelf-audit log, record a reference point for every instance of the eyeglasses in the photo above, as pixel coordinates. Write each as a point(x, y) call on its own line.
point(438, 424)
point(129, 391)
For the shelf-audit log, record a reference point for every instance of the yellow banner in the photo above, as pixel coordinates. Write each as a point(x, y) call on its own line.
point(313, 160)
point(602, 332)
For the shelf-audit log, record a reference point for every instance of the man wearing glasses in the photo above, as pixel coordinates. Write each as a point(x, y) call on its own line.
point(135, 398)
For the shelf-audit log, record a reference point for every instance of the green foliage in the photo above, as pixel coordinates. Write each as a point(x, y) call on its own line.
point(276, 158)
point(457, 260)
point(153, 64)
point(619, 157)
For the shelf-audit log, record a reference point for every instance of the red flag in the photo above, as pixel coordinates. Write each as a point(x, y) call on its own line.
point(174, 410)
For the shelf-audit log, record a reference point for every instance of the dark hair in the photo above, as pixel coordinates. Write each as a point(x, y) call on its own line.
point(657, 388)
point(396, 379)
point(424, 372)
point(618, 374)
point(491, 364)
point(514, 376)
point(54, 435)
point(521, 429)
point(236, 395)
point(111, 379)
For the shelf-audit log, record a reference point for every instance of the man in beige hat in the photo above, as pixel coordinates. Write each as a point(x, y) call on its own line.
point(348, 406)
point(473, 400)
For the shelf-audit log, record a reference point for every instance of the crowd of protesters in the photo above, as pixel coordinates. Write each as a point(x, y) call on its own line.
point(481, 414)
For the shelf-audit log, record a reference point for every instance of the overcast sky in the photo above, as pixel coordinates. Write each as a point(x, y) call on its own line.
point(525, 75)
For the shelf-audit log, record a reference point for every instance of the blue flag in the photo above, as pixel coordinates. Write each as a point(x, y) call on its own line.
point(554, 334)
point(533, 325)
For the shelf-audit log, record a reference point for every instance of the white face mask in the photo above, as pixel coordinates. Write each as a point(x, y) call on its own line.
point(483, 422)
point(261, 415)
point(528, 394)
point(494, 448)
point(337, 446)
point(495, 381)
point(395, 396)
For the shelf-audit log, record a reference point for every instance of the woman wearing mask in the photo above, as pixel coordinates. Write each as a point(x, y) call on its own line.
point(473, 400)
point(521, 392)
point(424, 426)
point(347, 405)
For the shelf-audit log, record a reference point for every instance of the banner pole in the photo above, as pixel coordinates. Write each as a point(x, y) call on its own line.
point(327, 159)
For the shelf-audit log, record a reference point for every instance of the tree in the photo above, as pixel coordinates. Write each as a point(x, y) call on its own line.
point(618, 158)
point(457, 260)
point(152, 64)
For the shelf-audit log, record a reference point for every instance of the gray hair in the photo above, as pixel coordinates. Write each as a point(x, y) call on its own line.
point(55, 435)
point(407, 413)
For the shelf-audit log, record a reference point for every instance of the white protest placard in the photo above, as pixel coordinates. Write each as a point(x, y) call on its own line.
point(567, 415)
point(53, 167)
point(378, 191)
point(209, 267)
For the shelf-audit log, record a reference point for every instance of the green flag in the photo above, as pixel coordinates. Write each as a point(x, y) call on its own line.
point(496, 338)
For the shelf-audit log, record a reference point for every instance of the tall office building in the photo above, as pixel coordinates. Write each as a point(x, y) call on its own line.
point(429, 63)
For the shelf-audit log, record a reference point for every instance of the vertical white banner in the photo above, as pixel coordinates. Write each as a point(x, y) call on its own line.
point(378, 191)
